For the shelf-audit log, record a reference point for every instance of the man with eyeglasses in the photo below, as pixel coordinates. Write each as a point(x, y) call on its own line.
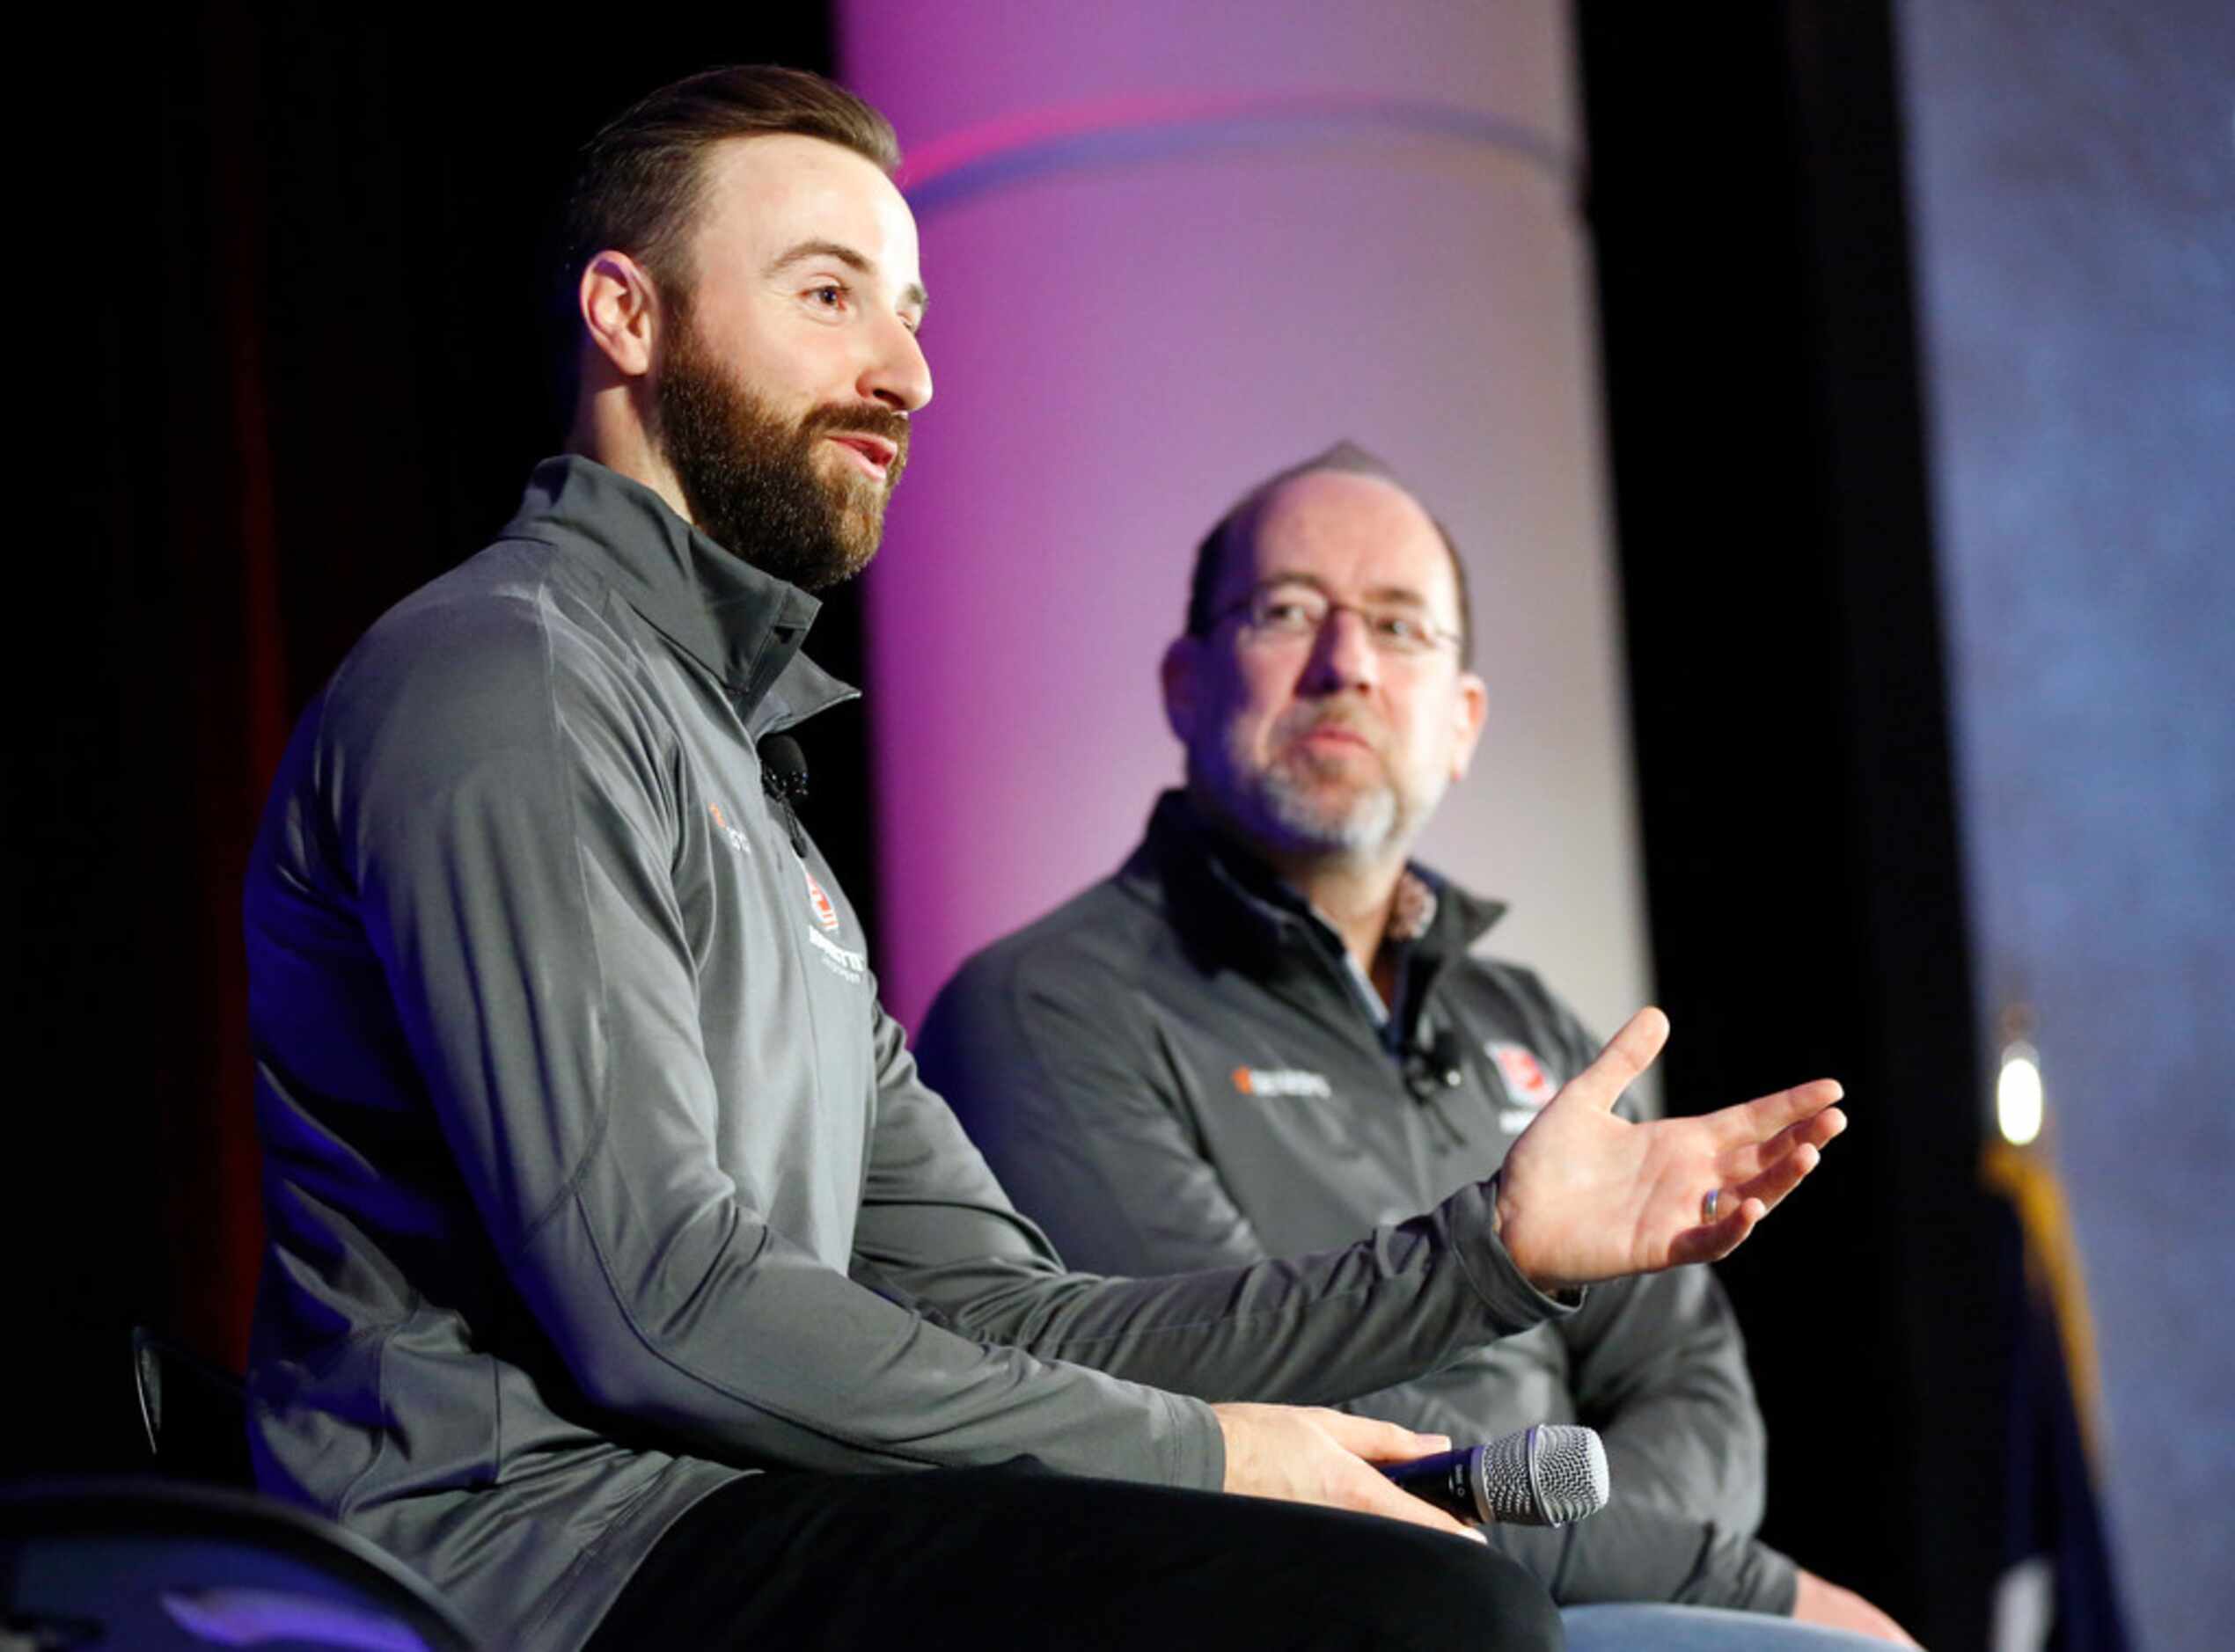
point(1265, 1033)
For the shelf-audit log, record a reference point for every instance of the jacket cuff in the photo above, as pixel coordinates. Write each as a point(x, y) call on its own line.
point(1514, 1304)
point(1774, 1581)
point(1196, 1460)
point(1745, 1575)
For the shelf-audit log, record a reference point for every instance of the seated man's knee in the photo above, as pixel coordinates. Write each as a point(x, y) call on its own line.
point(1498, 1590)
point(1444, 1594)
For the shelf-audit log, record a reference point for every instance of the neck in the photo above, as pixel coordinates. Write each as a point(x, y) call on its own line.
point(609, 428)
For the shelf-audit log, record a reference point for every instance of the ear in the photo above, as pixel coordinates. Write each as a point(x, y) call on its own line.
point(620, 311)
point(1181, 674)
point(1469, 709)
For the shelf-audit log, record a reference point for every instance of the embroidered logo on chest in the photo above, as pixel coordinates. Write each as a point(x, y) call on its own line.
point(826, 914)
point(1275, 1081)
point(1528, 1084)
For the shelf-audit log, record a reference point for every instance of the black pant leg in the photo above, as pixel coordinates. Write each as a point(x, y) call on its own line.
point(1018, 1557)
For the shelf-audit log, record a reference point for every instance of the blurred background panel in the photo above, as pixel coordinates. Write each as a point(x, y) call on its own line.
point(2073, 171)
point(1173, 249)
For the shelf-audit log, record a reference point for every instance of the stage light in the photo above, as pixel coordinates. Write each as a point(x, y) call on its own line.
point(2018, 1093)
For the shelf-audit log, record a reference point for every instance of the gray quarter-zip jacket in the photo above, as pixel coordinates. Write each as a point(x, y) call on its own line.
point(594, 1173)
point(1176, 1070)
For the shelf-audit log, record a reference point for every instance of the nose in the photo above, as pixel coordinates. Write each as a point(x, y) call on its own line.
point(1343, 655)
point(897, 373)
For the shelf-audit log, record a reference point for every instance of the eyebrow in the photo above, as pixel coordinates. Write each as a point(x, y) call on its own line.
point(860, 263)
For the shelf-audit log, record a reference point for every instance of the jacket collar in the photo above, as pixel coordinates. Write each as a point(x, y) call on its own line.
point(742, 625)
point(1222, 897)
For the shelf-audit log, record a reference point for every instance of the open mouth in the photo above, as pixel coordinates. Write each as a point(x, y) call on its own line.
point(874, 453)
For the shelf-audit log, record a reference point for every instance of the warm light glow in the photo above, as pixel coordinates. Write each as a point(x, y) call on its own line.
point(2018, 1094)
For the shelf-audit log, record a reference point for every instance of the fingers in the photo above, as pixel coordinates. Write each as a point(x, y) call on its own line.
point(1713, 1241)
point(1781, 1178)
point(1378, 1442)
point(1754, 1123)
point(1751, 1199)
point(1767, 1148)
point(1628, 1053)
point(1818, 1601)
point(1738, 1163)
point(1817, 1130)
point(1380, 1496)
point(1353, 1483)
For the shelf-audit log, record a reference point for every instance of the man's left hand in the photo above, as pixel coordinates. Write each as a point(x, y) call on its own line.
point(1587, 1195)
point(1826, 1603)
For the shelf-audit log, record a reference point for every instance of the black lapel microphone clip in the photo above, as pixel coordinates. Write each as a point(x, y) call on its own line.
point(783, 776)
point(1435, 1065)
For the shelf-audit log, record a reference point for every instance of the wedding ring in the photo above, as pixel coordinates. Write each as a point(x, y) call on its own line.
point(1707, 1205)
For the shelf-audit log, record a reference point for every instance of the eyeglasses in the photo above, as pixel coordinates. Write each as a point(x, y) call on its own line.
point(1287, 612)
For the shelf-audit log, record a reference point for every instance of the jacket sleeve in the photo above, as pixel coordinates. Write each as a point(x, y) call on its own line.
point(1072, 1106)
point(1078, 1111)
point(498, 798)
point(938, 1232)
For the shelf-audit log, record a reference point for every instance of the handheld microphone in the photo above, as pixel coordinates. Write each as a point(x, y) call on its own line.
point(1547, 1475)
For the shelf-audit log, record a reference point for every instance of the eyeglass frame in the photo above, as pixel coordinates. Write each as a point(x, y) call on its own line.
point(1432, 636)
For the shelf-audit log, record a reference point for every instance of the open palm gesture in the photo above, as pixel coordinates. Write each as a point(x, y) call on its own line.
point(1587, 1195)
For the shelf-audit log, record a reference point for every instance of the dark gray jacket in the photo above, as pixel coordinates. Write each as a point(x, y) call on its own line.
point(595, 1174)
point(1175, 1071)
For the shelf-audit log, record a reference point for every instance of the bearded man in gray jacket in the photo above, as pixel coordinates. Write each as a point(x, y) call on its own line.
point(1267, 1031)
point(622, 1275)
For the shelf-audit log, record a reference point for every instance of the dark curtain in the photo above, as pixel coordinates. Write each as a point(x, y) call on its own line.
point(1765, 414)
point(290, 262)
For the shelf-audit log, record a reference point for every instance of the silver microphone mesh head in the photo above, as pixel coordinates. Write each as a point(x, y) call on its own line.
point(1544, 1476)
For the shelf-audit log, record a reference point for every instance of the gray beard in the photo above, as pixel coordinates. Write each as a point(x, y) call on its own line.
point(1290, 815)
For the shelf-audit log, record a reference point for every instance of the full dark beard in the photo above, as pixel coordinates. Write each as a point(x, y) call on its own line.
point(750, 477)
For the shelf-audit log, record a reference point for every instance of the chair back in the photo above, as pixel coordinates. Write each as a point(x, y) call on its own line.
point(173, 1566)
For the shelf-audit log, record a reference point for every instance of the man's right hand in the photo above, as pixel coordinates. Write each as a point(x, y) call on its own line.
point(1305, 1454)
point(1836, 1608)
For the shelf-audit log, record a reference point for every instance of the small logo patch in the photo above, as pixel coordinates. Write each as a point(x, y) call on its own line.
point(1527, 1081)
point(826, 914)
point(721, 824)
point(1280, 1081)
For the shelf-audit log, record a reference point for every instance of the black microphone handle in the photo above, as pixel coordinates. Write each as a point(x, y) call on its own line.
point(1445, 1480)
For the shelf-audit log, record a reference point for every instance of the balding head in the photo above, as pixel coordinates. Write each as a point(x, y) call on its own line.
point(1245, 518)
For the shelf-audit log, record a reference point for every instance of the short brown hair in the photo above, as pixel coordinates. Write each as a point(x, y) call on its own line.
point(1346, 458)
point(638, 184)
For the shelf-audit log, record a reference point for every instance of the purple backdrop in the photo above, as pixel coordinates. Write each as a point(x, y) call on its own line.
point(1172, 248)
